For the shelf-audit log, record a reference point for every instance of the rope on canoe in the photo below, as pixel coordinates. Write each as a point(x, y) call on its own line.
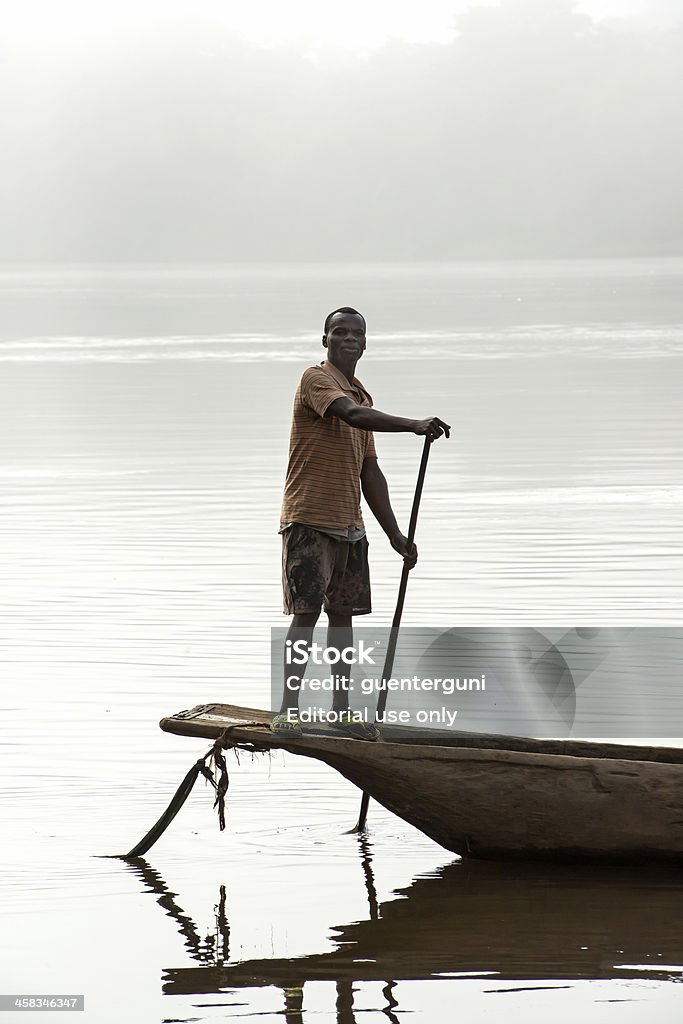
point(222, 783)
point(215, 772)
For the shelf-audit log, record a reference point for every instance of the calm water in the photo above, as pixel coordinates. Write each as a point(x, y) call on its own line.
point(144, 415)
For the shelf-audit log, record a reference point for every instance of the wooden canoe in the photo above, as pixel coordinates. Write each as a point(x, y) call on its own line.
point(489, 796)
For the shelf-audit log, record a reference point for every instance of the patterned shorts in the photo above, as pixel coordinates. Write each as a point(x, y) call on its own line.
point(319, 571)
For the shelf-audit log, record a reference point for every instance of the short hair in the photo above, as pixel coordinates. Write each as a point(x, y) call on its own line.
point(343, 309)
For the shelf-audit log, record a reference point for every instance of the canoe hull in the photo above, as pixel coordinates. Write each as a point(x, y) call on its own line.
point(492, 803)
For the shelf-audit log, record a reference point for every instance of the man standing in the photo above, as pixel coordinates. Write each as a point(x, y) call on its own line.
point(325, 551)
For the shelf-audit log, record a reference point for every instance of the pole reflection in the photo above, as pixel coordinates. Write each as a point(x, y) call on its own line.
point(503, 921)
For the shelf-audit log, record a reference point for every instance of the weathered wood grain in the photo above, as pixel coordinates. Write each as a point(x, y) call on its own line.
point(493, 797)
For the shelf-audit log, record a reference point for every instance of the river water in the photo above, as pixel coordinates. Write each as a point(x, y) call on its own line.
point(144, 414)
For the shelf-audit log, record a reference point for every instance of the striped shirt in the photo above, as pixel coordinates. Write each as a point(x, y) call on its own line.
point(326, 455)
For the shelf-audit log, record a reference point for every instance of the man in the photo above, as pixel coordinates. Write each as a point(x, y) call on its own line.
point(325, 551)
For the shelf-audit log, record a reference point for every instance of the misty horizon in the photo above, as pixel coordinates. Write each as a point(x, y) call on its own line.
point(537, 133)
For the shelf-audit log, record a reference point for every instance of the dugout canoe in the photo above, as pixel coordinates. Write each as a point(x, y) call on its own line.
point(491, 797)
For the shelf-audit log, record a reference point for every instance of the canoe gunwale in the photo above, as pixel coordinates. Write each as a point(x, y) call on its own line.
point(249, 726)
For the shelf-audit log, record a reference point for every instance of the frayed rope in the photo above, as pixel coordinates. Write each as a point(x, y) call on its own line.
point(215, 772)
point(221, 786)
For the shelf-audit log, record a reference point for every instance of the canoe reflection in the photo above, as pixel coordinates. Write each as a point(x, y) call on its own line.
point(470, 918)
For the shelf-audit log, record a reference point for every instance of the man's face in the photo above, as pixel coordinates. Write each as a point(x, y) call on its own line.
point(345, 338)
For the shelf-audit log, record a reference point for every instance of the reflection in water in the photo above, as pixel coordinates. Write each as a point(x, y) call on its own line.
point(213, 949)
point(365, 851)
point(510, 921)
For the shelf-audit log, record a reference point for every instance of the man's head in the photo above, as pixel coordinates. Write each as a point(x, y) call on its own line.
point(344, 336)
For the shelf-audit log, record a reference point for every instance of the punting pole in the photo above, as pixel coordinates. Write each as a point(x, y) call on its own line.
point(396, 622)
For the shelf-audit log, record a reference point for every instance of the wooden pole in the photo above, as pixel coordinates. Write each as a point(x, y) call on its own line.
point(396, 622)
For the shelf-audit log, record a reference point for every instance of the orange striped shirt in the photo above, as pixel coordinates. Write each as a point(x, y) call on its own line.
point(325, 454)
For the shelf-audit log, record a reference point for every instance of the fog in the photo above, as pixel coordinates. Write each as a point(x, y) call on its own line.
point(537, 132)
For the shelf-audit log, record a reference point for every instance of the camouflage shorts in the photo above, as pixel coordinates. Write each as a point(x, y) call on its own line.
point(319, 571)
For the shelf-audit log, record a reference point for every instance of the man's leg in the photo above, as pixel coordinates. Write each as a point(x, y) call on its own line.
point(307, 565)
point(301, 628)
point(349, 591)
point(339, 637)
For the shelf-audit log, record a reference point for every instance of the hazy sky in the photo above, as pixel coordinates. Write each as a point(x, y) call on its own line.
point(356, 23)
point(130, 133)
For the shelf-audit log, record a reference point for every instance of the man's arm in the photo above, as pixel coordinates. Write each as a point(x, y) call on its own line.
point(365, 418)
point(376, 493)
